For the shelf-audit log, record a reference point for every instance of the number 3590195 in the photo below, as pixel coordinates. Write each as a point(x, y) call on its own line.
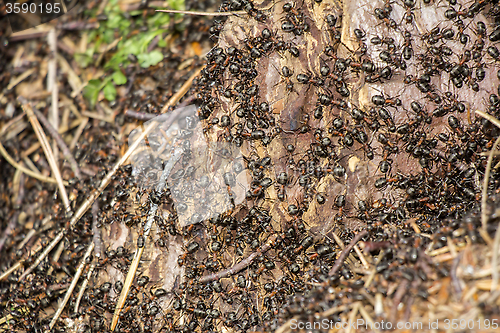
point(33, 8)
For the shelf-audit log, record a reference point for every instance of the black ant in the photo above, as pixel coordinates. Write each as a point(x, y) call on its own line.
point(286, 74)
point(294, 21)
point(309, 79)
point(409, 16)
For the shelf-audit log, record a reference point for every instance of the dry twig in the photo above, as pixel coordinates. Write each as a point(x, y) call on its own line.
point(488, 117)
point(96, 232)
point(244, 263)
point(139, 115)
point(345, 252)
point(182, 91)
point(84, 285)
point(51, 79)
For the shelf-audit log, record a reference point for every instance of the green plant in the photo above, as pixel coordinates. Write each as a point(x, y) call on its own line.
point(118, 26)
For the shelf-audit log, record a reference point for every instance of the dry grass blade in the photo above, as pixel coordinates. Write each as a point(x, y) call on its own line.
point(61, 130)
point(241, 12)
point(47, 150)
point(72, 286)
point(147, 228)
point(484, 197)
point(96, 232)
point(44, 254)
point(20, 78)
point(353, 314)
point(368, 319)
point(362, 258)
point(494, 261)
point(182, 91)
point(84, 286)
point(30, 173)
point(490, 118)
point(126, 286)
point(60, 142)
point(11, 269)
point(52, 77)
point(4, 320)
point(78, 133)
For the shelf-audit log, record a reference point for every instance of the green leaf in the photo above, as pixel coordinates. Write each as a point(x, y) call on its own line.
point(119, 78)
point(177, 4)
point(116, 60)
point(114, 20)
point(131, 46)
point(162, 43)
point(158, 20)
point(124, 24)
point(109, 91)
point(108, 36)
point(91, 91)
point(145, 39)
point(150, 59)
point(135, 12)
point(84, 59)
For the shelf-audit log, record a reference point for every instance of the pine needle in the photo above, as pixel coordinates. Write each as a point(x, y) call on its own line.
point(84, 285)
point(147, 228)
point(46, 149)
point(488, 117)
point(126, 286)
point(28, 172)
point(72, 286)
point(241, 12)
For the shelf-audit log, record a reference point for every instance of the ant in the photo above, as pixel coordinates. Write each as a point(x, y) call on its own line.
point(308, 78)
point(380, 100)
point(286, 75)
point(282, 181)
point(340, 203)
point(288, 46)
point(409, 16)
point(335, 76)
point(385, 73)
point(407, 48)
point(294, 21)
point(383, 15)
